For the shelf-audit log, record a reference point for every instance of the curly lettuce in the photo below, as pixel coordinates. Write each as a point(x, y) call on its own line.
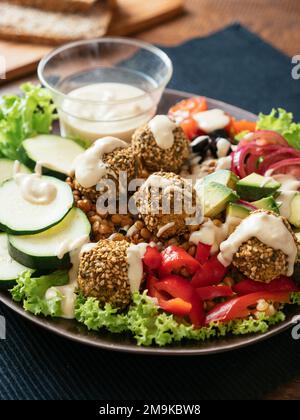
point(149, 325)
point(23, 116)
point(281, 121)
point(31, 291)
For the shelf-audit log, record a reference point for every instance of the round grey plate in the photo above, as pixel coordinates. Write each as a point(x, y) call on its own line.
point(119, 342)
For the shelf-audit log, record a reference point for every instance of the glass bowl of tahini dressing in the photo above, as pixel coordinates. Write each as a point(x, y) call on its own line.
point(105, 87)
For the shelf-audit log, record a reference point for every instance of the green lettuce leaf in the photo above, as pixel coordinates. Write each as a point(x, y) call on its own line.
point(24, 116)
point(148, 324)
point(281, 121)
point(295, 298)
point(31, 291)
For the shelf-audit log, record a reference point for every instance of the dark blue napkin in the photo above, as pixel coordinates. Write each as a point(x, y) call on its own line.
point(235, 66)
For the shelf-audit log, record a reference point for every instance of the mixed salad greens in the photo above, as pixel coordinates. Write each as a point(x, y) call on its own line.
point(170, 308)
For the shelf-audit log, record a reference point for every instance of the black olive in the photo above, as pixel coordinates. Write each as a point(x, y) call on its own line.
point(200, 145)
point(213, 146)
point(219, 133)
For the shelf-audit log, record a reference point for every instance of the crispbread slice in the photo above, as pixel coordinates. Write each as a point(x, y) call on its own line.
point(18, 23)
point(69, 6)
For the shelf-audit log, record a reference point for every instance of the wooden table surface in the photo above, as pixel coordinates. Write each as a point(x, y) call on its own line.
point(276, 21)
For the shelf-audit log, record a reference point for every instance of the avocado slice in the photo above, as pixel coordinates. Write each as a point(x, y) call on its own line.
point(294, 218)
point(237, 210)
point(267, 203)
point(222, 176)
point(254, 187)
point(215, 198)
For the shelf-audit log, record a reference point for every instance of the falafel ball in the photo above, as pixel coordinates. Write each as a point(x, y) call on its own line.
point(259, 261)
point(103, 273)
point(153, 157)
point(120, 160)
point(161, 204)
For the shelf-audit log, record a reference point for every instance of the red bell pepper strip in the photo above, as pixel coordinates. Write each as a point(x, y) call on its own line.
point(191, 128)
point(174, 258)
point(152, 258)
point(212, 292)
point(239, 307)
point(202, 253)
point(281, 284)
point(177, 286)
point(176, 306)
point(212, 272)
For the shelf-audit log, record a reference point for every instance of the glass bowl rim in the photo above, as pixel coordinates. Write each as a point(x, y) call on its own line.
point(147, 46)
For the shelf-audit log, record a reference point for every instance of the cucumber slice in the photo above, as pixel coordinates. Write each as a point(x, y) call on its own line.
point(9, 268)
point(6, 169)
point(55, 153)
point(20, 217)
point(40, 251)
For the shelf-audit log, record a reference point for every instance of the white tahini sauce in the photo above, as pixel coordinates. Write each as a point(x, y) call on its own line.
point(111, 109)
point(289, 186)
point(164, 228)
point(223, 147)
point(224, 163)
point(68, 291)
point(212, 120)
point(34, 188)
point(135, 254)
point(89, 167)
point(162, 129)
point(210, 234)
point(268, 229)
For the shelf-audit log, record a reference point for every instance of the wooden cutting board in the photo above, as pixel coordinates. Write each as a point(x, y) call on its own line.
point(131, 17)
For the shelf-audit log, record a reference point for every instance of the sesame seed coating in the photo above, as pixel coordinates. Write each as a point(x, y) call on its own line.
point(103, 273)
point(155, 220)
point(156, 159)
point(259, 261)
point(120, 160)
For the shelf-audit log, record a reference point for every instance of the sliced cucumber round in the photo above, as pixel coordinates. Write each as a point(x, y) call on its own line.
point(56, 154)
point(6, 169)
point(9, 268)
point(20, 217)
point(41, 251)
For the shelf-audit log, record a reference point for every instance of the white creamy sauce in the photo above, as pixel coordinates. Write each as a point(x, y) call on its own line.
point(212, 120)
point(265, 181)
point(104, 116)
point(224, 163)
point(284, 200)
point(132, 231)
point(67, 245)
point(289, 186)
point(68, 291)
point(210, 234)
point(89, 167)
point(135, 254)
point(33, 187)
point(223, 147)
point(268, 229)
point(288, 182)
point(164, 228)
point(162, 129)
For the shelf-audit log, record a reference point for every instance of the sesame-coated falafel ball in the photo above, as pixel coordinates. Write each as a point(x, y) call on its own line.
point(103, 273)
point(153, 157)
point(120, 160)
point(259, 261)
point(165, 221)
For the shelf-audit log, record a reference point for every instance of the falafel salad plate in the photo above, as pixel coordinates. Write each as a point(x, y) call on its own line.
point(182, 239)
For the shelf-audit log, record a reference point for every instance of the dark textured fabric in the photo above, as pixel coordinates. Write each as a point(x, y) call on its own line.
point(236, 66)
